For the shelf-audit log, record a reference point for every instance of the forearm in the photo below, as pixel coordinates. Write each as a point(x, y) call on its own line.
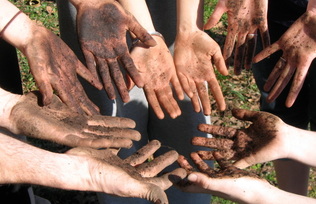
point(189, 15)
point(93, 3)
point(23, 163)
point(139, 9)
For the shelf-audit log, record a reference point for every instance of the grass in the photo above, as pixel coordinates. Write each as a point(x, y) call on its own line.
point(239, 91)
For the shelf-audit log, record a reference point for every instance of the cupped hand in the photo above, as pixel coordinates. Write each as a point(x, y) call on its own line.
point(194, 56)
point(262, 141)
point(298, 44)
point(134, 176)
point(156, 67)
point(55, 68)
point(245, 17)
point(102, 29)
point(57, 123)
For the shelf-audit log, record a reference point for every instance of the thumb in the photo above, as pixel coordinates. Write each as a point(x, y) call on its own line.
point(219, 10)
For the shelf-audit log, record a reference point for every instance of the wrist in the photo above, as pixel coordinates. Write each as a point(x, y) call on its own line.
point(90, 3)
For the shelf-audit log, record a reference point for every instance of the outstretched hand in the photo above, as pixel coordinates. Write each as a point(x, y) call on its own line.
point(56, 122)
point(260, 142)
point(55, 68)
point(298, 45)
point(194, 56)
point(102, 29)
point(156, 67)
point(245, 17)
point(134, 176)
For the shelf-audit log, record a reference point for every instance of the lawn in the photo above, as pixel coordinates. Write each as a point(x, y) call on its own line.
point(240, 91)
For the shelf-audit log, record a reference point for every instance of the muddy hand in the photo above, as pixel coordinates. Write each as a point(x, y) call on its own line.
point(245, 17)
point(55, 68)
point(257, 143)
point(194, 57)
point(298, 44)
point(102, 29)
point(56, 122)
point(157, 70)
point(139, 174)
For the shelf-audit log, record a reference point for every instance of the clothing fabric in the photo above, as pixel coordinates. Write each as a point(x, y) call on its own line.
point(174, 134)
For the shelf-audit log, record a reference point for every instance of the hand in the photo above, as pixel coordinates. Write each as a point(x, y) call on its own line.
point(157, 70)
point(54, 67)
point(102, 29)
point(262, 141)
point(298, 44)
point(245, 17)
point(133, 176)
point(194, 55)
point(57, 123)
point(228, 182)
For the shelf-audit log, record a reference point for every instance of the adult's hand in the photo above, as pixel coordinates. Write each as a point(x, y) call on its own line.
point(134, 176)
point(245, 17)
point(102, 28)
point(156, 67)
point(57, 123)
point(298, 44)
point(194, 55)
point(264, 140)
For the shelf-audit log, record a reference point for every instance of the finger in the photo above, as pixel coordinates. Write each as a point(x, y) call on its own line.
point(281, 83)
point(297, 84)
point(150, 169)
point(113, 132)
point(216, 91)
point(132, 70)
point(177, 87)
point(223, 163)
point(266, 52)
point(219, 63)
point(196, 102)
point(219, 10)
point(45, 89)
point(167, 101)
point(239, 54)
point(208, 155)
point(183, 162)
point(141, 33)
point(153, 102)
point(275, 74)
point(216, 143)
point(166, 180)
point(118, 79)
point(265, 37)
point(92, 142)
point(106, 78)
point(251, 45)
point(246, 115)
point(204, 97)
point(218, 130)
point(144, 153)
point(201, 165)
point(185, 85)
point(110, 121)
point(229, 45)
point(91, 64)
point(88, 75)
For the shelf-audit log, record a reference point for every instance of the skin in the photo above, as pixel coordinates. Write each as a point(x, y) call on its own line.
point(87, 169)
point(195, 54)
point(57, 123)
point(102, 28)
point(52, 63)
point(244, 17)
point(298, 45)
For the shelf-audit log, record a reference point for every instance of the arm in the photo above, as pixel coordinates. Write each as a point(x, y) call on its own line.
point(195, 54)
point(298, 44)
point(244, 19)
point(21, 114)
point(155, 65)
point(52, 63)
point(266, 139)
point(23, 163)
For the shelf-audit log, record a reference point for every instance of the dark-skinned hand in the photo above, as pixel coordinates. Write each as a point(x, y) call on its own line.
point(55, 68)
point(194, 56)
point(102, 28)
point(245, 17)
point(260, 142)
point(156, 67)
point(298, 44)
point(134, 176)
point(57, 123)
